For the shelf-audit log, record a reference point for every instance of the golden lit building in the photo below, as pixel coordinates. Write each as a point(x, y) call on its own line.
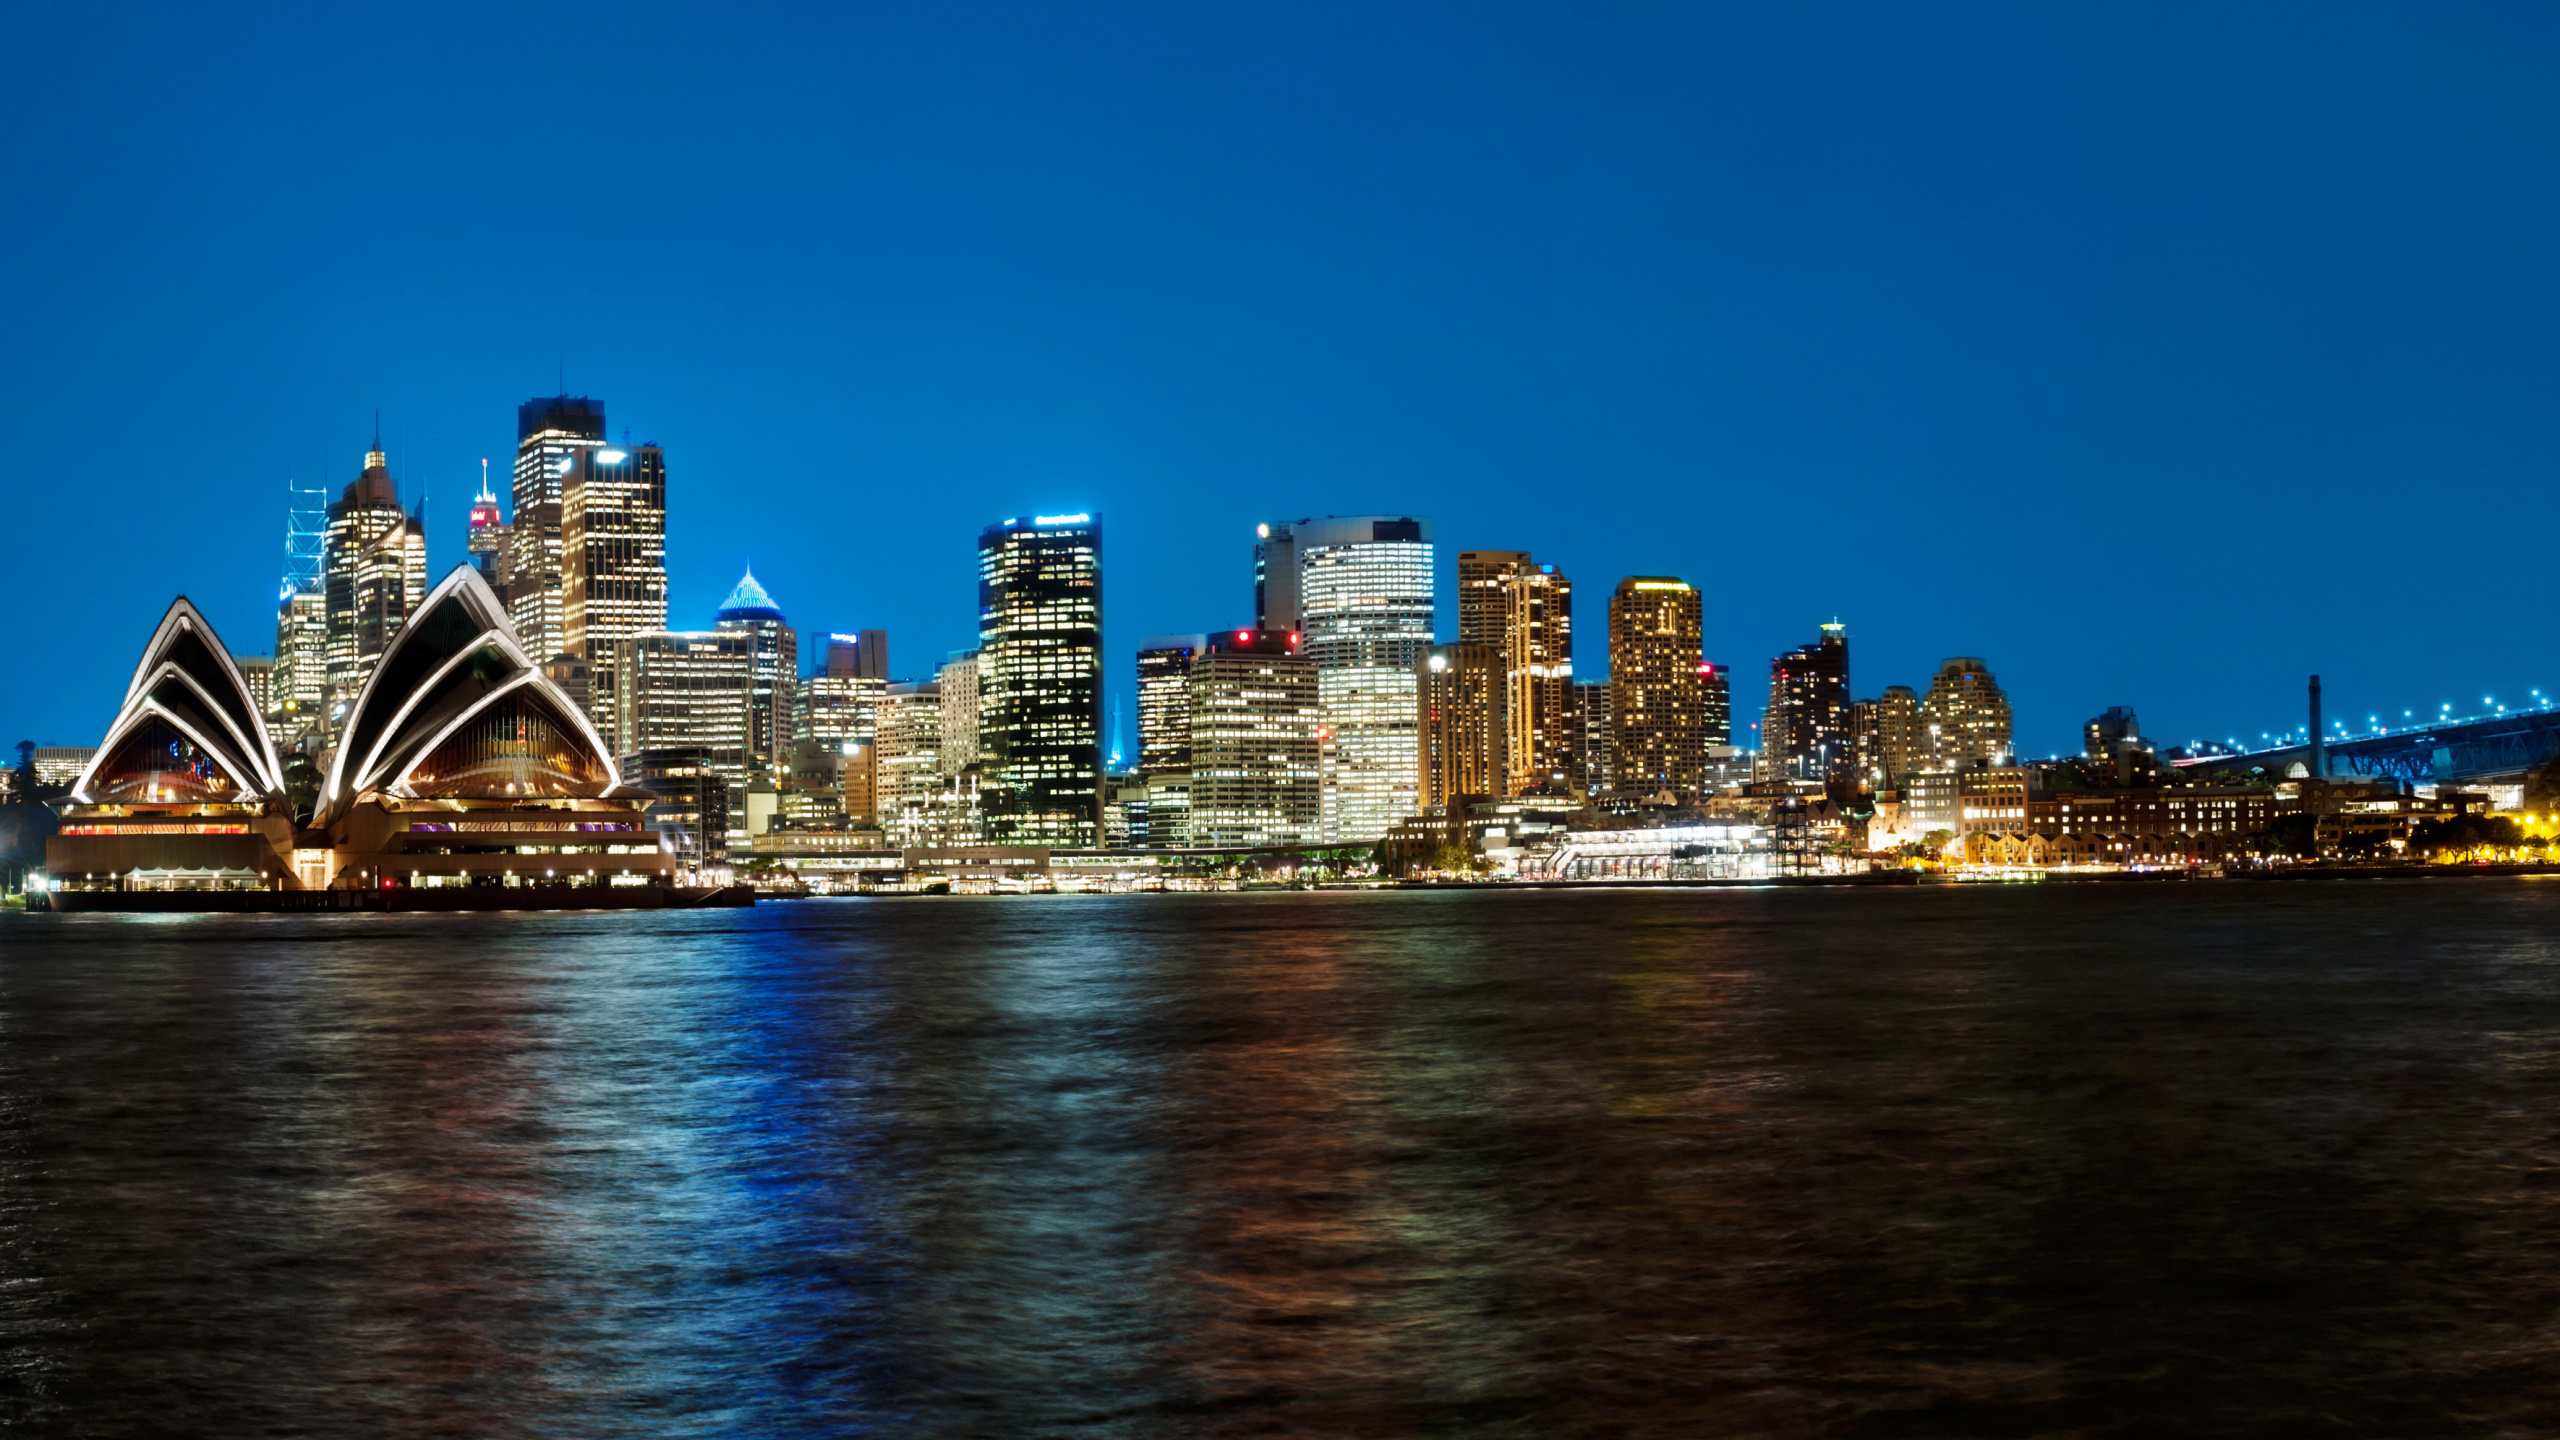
point(1461, 724)
point(1537, 663)
point(1964, 720)
point(1657, 685)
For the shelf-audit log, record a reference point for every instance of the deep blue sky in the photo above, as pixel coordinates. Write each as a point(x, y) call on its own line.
point(2159, 355)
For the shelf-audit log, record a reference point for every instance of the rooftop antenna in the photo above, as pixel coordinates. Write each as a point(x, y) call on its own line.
point(564, 375)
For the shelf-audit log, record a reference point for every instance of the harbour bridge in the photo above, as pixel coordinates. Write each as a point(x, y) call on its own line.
point(2502, 747)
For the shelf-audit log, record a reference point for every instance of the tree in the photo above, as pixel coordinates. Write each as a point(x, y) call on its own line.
point(2297, 834)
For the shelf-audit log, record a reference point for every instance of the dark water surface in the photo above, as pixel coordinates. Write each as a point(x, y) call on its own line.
point(2085, 1160)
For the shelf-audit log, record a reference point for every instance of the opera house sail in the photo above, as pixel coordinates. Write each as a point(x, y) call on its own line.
point(459, 768)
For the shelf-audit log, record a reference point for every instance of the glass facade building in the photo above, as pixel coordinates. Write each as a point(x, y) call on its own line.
point(373, 574)
point(749, 611)
point(1364, 600)
point(1164, 702)
point(1040, 679)
point(1253, 760)
point(549, 433)
point(613, 564)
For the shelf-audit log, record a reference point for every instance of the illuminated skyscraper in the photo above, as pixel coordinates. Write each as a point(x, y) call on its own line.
point(299, 688)
point(1252, 746)
point(1040, 679)
point(689, 691)
point(613, 564)
point(1805, 732)
point(1164, 702)
point(487, 538)
point(374, 572)
point(1657, 685)
point(1965, 717)
point(749, 611)
point(1461, 709)
point(1484, 597)
point(907, 760)
point(1365, 610)
point(548, 432)
point(1275, 577)
point(1537, 665)
point(958, 679)
point(1597, 755)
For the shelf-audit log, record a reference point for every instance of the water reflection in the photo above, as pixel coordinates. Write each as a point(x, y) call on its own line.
point(2087, 1161)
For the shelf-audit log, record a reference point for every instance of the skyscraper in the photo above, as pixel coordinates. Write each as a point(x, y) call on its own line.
point(1040, 679)
point(1275, 577)
point(1484, 597)
point(958, 679)
point(1460, 744)
point(486, 540)
point(751, 612)
point(1597, 762)
point(1252, 743)
point(1806, 729)
point(690, 691)
point(1898, 736)
point(374, 572)
point(1657, 685)
point(1365, 611)
point(613, 563)
point(1164, 702)
point(1537, 663)
point(1965, 717)
point(907, 759)
point(548, 433)
point(300, 687)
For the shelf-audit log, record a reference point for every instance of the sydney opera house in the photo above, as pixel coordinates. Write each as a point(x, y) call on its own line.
point(462, 778)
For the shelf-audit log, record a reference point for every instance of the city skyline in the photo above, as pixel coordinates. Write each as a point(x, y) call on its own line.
point(1621, 292)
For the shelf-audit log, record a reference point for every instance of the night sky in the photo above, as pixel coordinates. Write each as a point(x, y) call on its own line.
point(2158, 355)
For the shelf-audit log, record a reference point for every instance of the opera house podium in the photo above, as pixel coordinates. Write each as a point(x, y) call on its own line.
point(461, 779)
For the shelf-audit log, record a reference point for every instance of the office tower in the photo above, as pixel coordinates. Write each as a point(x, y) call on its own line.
point(486, 541)
point(1537, 663)
point(1365, 612)
point(1253, 761)
point(1717, 695)
point(1484, 596)
point(1040, 679)
point(1657, 685)
point(862, 655)
point(549, 434)
point(1461, 705)
point(1164, 702)
point(1898, 736)
point(751, 612)
point(1275, 577)
point(374, 572)
point(691, 690)
point(907, 759)
point(862, 786)
point(1806, 730)
point(613, 563)
point(299, 689)
point(958, 679)
point(258, 674)
point(2104, 735)
point(1597, 757)
point(1964, 718)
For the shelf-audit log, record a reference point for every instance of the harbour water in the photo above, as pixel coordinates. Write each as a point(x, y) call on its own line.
point(1964, 1161)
